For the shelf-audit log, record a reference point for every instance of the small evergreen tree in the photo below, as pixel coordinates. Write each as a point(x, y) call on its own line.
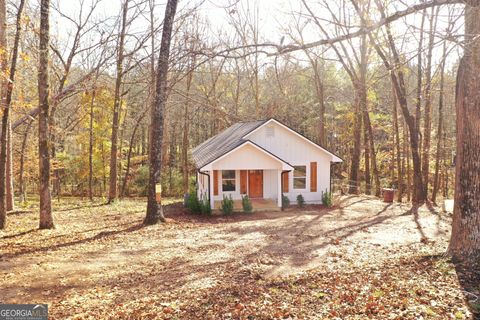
point(247, 204)
point(327, 198)
point(205, 207)
point(300, 201)
point(227, 205)
point(193, 203)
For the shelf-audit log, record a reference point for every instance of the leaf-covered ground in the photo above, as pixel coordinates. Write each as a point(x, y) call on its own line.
point(363, 259)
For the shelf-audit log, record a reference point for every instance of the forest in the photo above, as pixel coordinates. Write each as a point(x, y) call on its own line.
point(103, 101)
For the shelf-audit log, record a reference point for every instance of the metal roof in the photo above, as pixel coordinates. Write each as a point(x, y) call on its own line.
point(223, 142)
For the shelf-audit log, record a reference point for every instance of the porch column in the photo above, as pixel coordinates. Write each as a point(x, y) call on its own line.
point(279, 186)
point(210, 189)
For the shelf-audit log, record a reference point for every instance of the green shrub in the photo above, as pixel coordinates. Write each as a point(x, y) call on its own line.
point(247, 204)
point(227, 205)
point(327, 198)
point(205, 207)
point(285, 202)
point(193, 203)
point(300, 201)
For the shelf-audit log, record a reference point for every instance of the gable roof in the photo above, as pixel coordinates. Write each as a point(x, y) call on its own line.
point(236, 135)
point(335, 158)
point(224, 142)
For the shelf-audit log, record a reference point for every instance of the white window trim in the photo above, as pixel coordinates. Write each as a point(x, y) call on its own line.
point(234, 182)
point(306, 177)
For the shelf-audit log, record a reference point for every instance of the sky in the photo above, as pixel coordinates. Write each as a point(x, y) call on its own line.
point(273, 17)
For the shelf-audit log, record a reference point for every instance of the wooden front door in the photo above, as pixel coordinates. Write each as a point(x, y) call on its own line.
point(255, 183)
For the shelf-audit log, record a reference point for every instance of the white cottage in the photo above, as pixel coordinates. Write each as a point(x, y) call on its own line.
point(262, 159)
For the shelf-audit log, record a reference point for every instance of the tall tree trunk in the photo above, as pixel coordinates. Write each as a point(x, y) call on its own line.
point(356, 135)
point(366, 143)
point(9, 169)
point(112, 193)
point(319, 89)
point(436, 179)
point(445, 167)
point(90, 146)
point(129, 154)
point(465, 240)
point(6, 91)
point(154, 209)
point(186, 132)
point(21, 180)
point(172, 160)
point(3, 106)
point(396, 133)
point(409, 172)
point(428, 105)
point(373, 156)
point(418, 104)
point(46, 218)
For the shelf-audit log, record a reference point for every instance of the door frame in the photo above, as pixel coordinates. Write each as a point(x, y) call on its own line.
point(260, 173)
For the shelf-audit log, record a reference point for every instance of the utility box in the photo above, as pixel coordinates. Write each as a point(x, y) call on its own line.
point(388, 194)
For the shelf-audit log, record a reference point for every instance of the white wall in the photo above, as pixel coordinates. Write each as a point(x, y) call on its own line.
point(247, 157)
point(202, 185)
point(296, 151)
point(270, 184)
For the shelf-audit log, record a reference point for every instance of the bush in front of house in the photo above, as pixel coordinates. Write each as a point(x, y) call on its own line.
point(327, 198)
point(192, 202)
point(227, 205)
point(285, 202)
point(300, 201)
point(205, 207)
point(247, 204)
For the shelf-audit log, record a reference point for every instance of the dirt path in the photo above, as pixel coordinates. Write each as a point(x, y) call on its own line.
point(100, 258)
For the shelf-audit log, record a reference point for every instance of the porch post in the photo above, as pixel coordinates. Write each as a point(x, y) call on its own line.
point(279, 186)
point(210, 189)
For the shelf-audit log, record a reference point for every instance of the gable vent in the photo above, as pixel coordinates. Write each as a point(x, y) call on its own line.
point(270, 131)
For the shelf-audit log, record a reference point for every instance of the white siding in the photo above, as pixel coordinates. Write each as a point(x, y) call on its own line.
point(270, 184)
point(296, 151)
point(202, 186)
point(247, 157)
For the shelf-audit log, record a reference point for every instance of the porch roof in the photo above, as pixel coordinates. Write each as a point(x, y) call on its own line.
point(223, 142)
point(241, 157)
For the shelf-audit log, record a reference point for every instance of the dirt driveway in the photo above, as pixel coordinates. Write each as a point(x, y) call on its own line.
point(100, 258)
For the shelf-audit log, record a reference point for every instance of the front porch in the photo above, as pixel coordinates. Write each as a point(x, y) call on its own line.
point(246, 170)
point(257, 204)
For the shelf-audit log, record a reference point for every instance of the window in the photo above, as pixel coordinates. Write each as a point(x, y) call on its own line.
point(228, 180)
point(299, 177)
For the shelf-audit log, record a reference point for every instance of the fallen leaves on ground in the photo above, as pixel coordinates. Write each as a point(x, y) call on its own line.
point(360, 260)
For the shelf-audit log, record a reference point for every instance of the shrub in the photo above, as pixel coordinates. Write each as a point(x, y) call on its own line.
point(246, 204)
point(193, 203)
point(300, 201)
point(205, 207)
point(285, 202)
point(327, 198)
point(227, 205)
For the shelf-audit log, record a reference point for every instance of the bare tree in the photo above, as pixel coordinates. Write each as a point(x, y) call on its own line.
point(398, 80)
point(46, 218)
point(154, 209)
point(3, 105)
point(6, 180)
